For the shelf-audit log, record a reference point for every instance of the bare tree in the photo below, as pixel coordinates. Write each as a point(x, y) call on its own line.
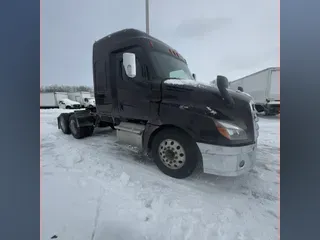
point(65, 88)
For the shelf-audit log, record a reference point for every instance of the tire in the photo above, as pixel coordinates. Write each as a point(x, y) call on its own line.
point(79, 132)
point(64, 123)
point(68, 107)
point(185, 155)
point(89, 131)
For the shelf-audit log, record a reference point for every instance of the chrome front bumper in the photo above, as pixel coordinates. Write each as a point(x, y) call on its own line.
point(227, 161)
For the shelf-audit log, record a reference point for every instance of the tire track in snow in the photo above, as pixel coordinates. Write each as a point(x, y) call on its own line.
point(96, 218)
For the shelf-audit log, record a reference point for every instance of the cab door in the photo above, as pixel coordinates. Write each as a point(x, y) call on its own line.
point(134, 94)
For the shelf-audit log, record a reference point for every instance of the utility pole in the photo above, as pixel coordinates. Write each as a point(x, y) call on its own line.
point(147, 17)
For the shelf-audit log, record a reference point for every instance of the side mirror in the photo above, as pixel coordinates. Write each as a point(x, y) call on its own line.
point(129, 64)
point(222, 82)
point(194, 76)
point(240, 89)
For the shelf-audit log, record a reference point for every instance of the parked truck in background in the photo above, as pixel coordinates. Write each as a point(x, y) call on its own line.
point(264, 87)
point(51, 99)
point(66, 103)
point(145, 91)
point(84, 98)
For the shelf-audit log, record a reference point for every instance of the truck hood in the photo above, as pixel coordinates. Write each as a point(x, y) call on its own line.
point(195, 92)
point(206, 99)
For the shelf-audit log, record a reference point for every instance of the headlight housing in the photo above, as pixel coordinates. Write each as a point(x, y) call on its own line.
point(230, 131)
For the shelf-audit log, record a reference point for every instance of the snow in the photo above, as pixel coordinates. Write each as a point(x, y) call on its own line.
point(97, 189)
point(187, 82)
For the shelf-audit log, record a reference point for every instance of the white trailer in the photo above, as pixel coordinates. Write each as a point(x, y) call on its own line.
point(264, 87)
point(84, 98)
point(51, 99)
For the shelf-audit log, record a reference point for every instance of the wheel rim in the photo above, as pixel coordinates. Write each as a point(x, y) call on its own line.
point(172, 154)
point(73, 126)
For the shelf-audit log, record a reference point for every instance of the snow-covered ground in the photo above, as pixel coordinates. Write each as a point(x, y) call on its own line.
point(96, 189)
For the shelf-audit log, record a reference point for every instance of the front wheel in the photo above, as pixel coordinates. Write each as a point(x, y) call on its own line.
point(175, 153)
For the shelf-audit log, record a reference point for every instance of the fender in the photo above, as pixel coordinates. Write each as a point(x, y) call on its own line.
point(151, 131)
point(84, 118)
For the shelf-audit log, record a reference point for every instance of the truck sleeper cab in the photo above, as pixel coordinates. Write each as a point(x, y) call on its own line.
point(145, 91)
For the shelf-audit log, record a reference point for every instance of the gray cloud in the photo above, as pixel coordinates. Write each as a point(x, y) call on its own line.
point(250, 60)
point(201, 26)
point(229, 37)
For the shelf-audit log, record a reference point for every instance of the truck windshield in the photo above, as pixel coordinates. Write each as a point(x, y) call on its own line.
point(170, 67)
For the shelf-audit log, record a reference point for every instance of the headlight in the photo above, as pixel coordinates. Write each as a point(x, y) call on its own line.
point(230, 131)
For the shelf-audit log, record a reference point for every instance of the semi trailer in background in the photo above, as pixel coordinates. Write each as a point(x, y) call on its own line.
point(84, 98)
point(51, 99)
point(264, 87)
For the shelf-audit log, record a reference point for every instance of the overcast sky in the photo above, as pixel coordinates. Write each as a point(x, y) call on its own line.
point(229, 37)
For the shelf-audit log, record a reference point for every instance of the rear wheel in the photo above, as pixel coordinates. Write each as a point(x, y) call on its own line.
point(175, 153)
point(89, 131)
point(79, 132)
point(64, 123)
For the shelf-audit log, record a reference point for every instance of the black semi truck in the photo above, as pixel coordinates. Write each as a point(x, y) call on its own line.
point(145, 91)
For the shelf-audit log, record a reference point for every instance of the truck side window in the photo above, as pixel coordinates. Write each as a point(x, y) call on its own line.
point(170, 67)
